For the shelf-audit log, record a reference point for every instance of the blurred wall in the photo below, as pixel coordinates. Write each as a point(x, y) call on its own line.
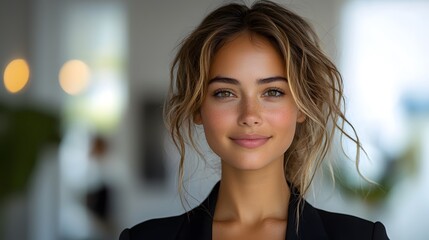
point(15, 33)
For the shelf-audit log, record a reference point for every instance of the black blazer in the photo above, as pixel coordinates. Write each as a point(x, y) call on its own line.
point(313, 224)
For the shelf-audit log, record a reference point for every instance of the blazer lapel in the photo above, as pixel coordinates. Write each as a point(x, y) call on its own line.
point(310, 223)
point(200, 219)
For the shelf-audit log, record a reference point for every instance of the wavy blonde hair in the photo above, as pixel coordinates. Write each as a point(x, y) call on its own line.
point(315, 83)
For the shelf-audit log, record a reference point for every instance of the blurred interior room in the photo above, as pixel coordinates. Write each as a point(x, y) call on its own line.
point(83, 148)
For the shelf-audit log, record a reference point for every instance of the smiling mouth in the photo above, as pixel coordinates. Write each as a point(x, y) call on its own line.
point(250, 141)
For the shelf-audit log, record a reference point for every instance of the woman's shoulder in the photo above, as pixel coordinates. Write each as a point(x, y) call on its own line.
point(344, 226)
point(193, 224)
point(159, 228)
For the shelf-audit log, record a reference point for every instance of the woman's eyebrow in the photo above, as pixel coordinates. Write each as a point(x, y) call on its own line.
point(224, 80)
point(272, 79)
point(236, 82)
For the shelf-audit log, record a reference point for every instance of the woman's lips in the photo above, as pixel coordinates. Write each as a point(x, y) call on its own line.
point(250, 141)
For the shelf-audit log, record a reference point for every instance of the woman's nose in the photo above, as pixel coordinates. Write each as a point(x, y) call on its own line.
point(250, 113)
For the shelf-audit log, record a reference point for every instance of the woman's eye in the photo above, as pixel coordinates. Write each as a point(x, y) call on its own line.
point(274, 93)
point(223, 94)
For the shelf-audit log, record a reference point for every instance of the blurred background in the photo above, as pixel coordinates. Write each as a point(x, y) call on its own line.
point(83, 150)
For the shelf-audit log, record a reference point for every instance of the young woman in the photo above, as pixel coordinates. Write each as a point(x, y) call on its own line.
point(270, 102)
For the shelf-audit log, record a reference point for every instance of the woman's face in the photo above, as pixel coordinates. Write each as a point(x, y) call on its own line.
point(249, 115)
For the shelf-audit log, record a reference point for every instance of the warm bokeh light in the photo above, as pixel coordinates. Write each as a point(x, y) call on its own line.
point(74, 77)
point(16, 75)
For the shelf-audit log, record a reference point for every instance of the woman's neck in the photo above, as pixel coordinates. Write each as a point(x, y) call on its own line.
point(252, 196)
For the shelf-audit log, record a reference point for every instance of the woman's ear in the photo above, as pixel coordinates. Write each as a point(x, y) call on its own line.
point(301, 117)
point(197, 118)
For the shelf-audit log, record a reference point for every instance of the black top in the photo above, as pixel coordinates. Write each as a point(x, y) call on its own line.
point(313, 224)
